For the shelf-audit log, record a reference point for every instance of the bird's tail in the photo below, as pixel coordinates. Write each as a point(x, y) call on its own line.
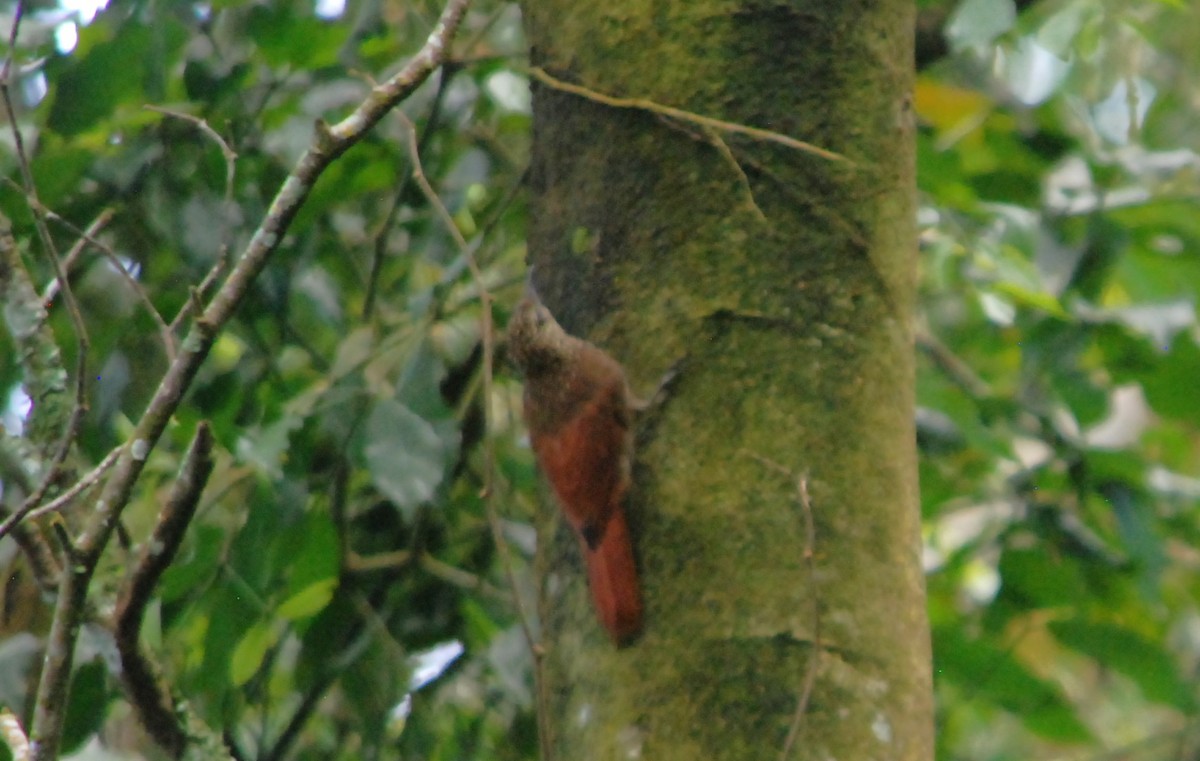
point(613, 578)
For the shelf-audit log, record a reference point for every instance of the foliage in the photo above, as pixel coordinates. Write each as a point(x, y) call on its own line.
point(342, 534)
point(1058, 391)
point(342, 546)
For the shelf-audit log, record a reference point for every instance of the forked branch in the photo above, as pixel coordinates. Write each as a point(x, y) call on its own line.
point(329, 142)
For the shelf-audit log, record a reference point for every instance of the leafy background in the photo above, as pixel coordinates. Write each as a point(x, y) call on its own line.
point(340, 594)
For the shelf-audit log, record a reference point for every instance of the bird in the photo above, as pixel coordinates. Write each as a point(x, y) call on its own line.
point(578, 408)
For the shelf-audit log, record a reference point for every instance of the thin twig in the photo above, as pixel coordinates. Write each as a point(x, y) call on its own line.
point(295, 725)
point(489, 452)
point(149, 697)
point(810, 540)
point(30, 510)
point(14, 736)
point(92, 230)
point(810, 675)
point(459, 577)
point(484, 29)
point(713, 138)
point(229, 154)
point(642, 104)
point(723, 149)
point(42, 560)
point(958, 371)
point(71, 428)
point(400, 559)
point(230, 157)
point(87, 237)
point(381, 235)
point(381, 561)
point(330, 142)
point(486, 339)
point(807, 201)
point(195, 304)
point(13, 32)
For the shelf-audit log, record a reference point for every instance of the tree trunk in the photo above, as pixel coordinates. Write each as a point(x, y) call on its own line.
point(780, 283)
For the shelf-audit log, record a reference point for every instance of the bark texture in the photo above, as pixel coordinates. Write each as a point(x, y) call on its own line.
point(783, 288)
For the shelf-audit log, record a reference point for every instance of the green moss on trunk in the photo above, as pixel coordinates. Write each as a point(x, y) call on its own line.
point(786, 283)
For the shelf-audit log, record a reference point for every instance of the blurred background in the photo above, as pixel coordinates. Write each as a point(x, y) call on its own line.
point(340, 595)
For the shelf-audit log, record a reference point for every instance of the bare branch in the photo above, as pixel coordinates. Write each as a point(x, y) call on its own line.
point(810, 540)
point(230, 157)
point(150, 698)
point(642, 104)
point(42, 561)
point(229, 154)
point(489, 451)
point(88, 480)
point(328, 144)
point(85, 236)
point(30, 510)
point(398, 559)
point(713, 138)
point(380, 236)
point(195, 304)
point(91, 231)
point(810, 676)
point(13, 33)
point(14, 737)
point(951, 365)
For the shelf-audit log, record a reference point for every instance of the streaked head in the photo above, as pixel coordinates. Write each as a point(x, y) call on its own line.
point(536, 342)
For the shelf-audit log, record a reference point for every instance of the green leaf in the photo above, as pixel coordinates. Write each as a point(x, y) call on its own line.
point(1171, 386)
point(1088, 402)
point(288, 39)
point(106, 76)
point(227, 617)
point(978, 22)
point(407, 455)
point(250, 651)
point(314, 557)
point(1126, 356)
point(373, 683)
point(197, 567)
point(1144, 661)
point(308, 601)
point(266, 447)
point(1136, 523)
point(87, 706)
point(261, 548)
point(1035, 579)
point(58, 168)
point(995, 675)
point(353, 351)
point(1059, 31)
point(1120, 466)
point(419, 385)
point(481, 628)
point(329, 639)
point(366, 169)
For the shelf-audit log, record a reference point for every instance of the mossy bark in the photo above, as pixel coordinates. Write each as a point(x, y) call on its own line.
point(782, 289)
